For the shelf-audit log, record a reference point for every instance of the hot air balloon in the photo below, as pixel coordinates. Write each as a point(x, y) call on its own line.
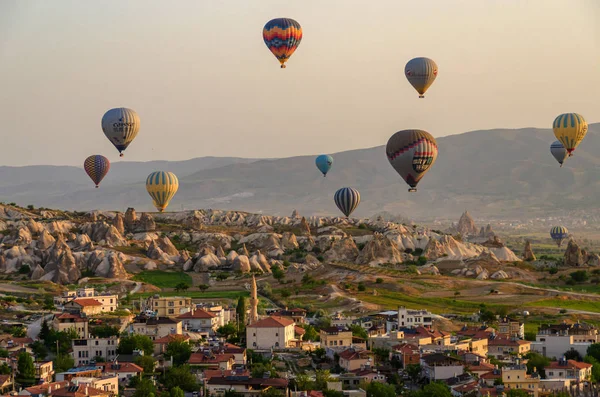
point(558, 234)
point(559, 152)
point(324, 163)
point(162, 186)
point(421, 73)
point(96, 166)
point(282, 36)
point(347, 199)
point(412, 153)
point(570, 129)
point(121, 125)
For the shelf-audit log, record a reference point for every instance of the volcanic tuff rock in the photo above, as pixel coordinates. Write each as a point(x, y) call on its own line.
point(241, 264)
point(466, 225)
point(379, 250)
point(528, 254)
point(119, 223)
point(342, 250)
point(104, 234)
point(574, 256)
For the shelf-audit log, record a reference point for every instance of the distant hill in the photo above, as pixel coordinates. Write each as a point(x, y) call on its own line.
point(500, 173)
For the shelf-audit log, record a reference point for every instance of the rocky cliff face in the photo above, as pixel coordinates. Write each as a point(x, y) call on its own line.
point(466, 225)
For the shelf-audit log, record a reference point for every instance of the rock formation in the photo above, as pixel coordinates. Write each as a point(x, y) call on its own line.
point(119, 223)
point(574, 256)
point(379, 250)
point(466, 225)
point(342, 250)
point(528, 254)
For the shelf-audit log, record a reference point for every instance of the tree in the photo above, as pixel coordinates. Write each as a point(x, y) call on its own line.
point(594, 351)
point(180, 352)
point(39, 350)
point(181, 377)
point(580, 276)
point(303, 382)
point(25, 370)
point(377, 389)
point(181, 287)
point(272, 392)
point(241, 309)
point(227, 330)
point(517, 393)
point(573, 354)
point(18, 332)
point(203, 287)
point(379, 280)
point(320, 353)
point(413, 371)
point(128, 344)
point(359, 331)
point(44, 330)
point(259, 369)
point(144, 388)
point(321, 379)
point(311, 333)
point(332, 393)
point(595, 368)
point(148, 363)
point(105, 331)
point(177, 392)
point(63, 362)
point(361, 286)
point(5, 369)
point(278, 273)
point(536, 360)
point(3, 353)
point(435, 389)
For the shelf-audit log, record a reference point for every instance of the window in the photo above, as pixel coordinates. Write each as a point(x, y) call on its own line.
point(171, 304)
point(171, 311)
point(254, 344)
point(155, 303)
point(111, 301)
point(276, 333)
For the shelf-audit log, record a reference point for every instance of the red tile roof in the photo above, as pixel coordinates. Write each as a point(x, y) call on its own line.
point(41, 389)
point(69, 316)
point(299, 330)
point(171, 338)
point(86, 302)
point(120, 367)
point(201, 358)
point(211, 373)
point(352, 354)
point(196, 314)
point(569, 364)
point(78, 391)
point(272, 322)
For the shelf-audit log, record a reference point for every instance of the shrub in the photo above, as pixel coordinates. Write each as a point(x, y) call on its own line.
point(580, 276)
point(379, 280)
point(553, 270)
point(30, 207)
point(361, 286)
point(24, 269)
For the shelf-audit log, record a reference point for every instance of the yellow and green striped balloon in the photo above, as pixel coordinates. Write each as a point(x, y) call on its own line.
point(570, 129)
point(162, 186)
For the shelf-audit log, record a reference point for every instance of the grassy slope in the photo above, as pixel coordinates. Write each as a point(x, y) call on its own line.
point(163, 279)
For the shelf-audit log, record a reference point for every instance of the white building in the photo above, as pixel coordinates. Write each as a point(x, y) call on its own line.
point(86, 349)
point(414, 318)
point(555, 346)
point(271, 332)
point(439, 366)
point(198, 320)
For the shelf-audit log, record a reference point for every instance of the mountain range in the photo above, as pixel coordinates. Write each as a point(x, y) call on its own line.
point(499, 173)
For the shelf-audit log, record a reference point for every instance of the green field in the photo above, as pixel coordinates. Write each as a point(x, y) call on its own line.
point(163, 279)
point(584, 305)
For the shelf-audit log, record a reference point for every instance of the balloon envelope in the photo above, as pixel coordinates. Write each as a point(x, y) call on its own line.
point(421, 73)
point(412, 153)
point(347, 199)
point(570, 129)
point(559, 152)
point(121, 125)
point(162, 186)
point(96, 166)
point(558, 234)
point(324, 163)
point(282, 36)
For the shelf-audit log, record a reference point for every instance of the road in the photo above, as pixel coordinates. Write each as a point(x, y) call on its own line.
point(33, 329)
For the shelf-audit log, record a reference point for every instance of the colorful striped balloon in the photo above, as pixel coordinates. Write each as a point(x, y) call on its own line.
point(162, 186)
point(421, 73)
point(282, 36)
point(558, 234)
point(96, 166)
point(570, 129)
point(412, 153)
point(347, 199)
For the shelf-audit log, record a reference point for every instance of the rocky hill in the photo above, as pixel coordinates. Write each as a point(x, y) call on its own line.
point(64, 247)
point(503, 173)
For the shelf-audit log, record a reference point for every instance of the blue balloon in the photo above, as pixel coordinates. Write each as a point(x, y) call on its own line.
point(324, 163)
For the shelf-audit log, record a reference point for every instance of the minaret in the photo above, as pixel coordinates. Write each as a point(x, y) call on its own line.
point(253, 302)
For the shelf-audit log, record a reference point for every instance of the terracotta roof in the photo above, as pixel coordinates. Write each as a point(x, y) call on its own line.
point(491, 375)
point(299, 330)
point(86, 302)
point(198, 313)
point(352, 354)
point(275, 382)
point(568, 364)
point(466, 388)
point(41, 389)
point(120, 367)
point(67, 316)
point(481, 367)
point(78, 391)
point(171, 338)
point(210, 373)
point(231, 348)
point(201, 358)
point(4, 378)
point(20, 341)
point(406, 348)
point(272, 322)
point(315, 393)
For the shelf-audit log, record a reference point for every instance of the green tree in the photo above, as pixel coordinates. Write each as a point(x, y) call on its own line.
point(44, 330)
point(435, 389)
point(241, 309)
point(181, 377)
point(181, 287)
point(105, 331)
point(177, 392)
point(320, 353)
point(231, 393)
point(3, 353)
point(580, 276)
point(144, 388)
point(359, 331)
point(5, 369)
point(573, 354)
point(413, 371)
point(537, 361)
point(227, 330)
point(63, 362)
point(203, 287)
point(303, 382)
point(311, 333)
point(332, 393)
point(272, 392)
point(321, 379)
point(180, 352)
point(18, 332)
point(39, 350)
point(377, 389)
point(258, 370)
point(128, 344)
point(361, 286)
point(25, 370)
point(278, 273)
point(148, 363)
point(382, 354)
point(595, 368)
point(379, 280)
point(517, 393)
point(594, 351)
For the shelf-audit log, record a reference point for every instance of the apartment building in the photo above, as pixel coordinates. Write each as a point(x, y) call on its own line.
point(86, 349)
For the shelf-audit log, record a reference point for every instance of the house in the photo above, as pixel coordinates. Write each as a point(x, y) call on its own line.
point(210, 360)
point(79, 391)
point(482, 332)
point(414, 318)
point(44, 371)
point(84, 350)
point(352, 359)
point(6, 383)
point(43, 390)
point(65, 321)
point(407, 354)
point(480, 368)
point(239, 353)
point(465, 389)
point(14, 344)
point(270, 332)
point(157, 327)
point(107, 383)
point(89, 371)
point(85, 292)
point(516, 377)
point(489, 379)
point(352, 380)
point(211, 373)
point(472, 345)
point(244, 385)
point(169, 306)
point(160, 344)
point(198, 320)
point(109, 302)
point(122, 370)
point(581, 332)
point(333, 336)
point(438, 366)
point(555, 345)
point(511, 328)
point(500, 347)
point(297, 315)
point(86, 306)
point(569, 369)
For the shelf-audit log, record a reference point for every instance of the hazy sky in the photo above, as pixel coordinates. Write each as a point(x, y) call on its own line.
point(204, 83)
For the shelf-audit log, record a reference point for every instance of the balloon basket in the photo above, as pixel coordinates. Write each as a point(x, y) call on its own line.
point(97, 186)
point(412, 189)
point(282, 66)
point(421, 96)
point(121, 155)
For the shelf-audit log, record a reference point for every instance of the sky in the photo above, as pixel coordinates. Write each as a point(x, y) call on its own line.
point(204, 84)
